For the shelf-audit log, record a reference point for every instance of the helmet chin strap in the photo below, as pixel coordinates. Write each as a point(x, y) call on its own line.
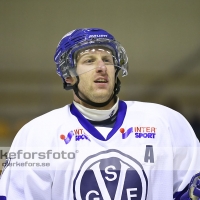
point(92, 103)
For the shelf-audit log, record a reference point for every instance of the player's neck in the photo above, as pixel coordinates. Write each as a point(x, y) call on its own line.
point(96, 114)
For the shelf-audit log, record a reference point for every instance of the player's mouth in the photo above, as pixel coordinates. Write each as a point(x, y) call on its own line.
point(101, 82)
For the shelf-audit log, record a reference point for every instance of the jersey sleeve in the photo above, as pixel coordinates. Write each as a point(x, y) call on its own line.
point(186, 154)
point(21, 181)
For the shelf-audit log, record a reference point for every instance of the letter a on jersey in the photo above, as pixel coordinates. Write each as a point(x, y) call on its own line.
point(149, 155)
point(110, 175)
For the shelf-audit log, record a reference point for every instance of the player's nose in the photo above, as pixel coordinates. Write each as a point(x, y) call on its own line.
point(101, 66)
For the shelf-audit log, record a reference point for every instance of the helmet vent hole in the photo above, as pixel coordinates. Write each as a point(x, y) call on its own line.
point(77, 39)
point(67, 44)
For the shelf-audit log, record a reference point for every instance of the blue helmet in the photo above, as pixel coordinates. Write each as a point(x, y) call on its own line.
point(78, 39)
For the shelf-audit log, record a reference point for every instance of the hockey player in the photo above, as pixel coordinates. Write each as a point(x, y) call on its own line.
point(100, 147)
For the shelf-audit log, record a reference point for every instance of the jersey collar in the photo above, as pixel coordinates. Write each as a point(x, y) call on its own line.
point(92, 130)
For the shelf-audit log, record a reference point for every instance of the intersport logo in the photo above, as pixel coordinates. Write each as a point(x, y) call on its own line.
point(139, 132)
point(78, 133)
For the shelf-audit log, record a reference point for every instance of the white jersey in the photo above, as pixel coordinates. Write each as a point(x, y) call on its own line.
point(151, 153)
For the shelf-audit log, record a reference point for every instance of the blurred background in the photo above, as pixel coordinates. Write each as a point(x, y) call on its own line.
point(162, 40)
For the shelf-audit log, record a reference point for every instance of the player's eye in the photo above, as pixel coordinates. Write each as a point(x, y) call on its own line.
point(89, 61)
point(108, 60)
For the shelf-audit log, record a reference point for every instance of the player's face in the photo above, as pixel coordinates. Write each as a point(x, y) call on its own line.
point(96, 72)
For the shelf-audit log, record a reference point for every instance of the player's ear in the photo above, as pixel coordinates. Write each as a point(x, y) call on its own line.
point(69, 80)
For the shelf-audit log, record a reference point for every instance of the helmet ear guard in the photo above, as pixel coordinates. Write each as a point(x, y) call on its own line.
point(67, 86)
point(123, 61)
